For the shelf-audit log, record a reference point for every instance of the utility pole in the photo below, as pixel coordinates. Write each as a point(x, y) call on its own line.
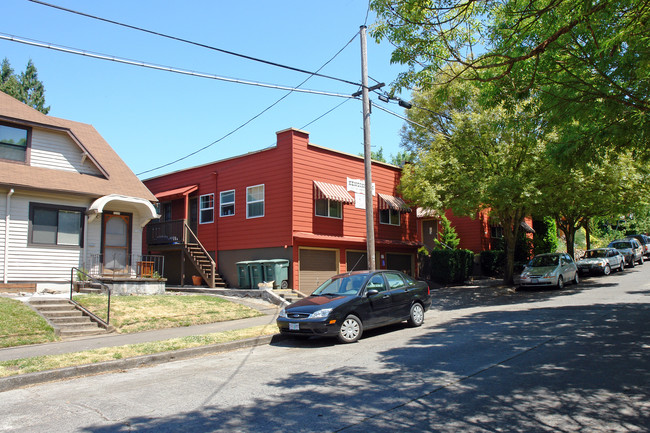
point(370, 221)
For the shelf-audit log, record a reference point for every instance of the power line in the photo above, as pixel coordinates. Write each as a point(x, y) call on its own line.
point(256, 116)
point(187, 41)
point(161, 68)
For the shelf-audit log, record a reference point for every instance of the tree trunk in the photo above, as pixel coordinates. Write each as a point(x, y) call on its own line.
point(510, 232)
point(587, 233)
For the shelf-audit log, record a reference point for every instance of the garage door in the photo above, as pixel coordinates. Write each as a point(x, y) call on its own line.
point(356, 260)
point(316, 266)
point(399, 262)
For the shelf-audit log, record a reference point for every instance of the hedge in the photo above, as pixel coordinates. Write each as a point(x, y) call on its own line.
point(449, 266)
point(492, 262)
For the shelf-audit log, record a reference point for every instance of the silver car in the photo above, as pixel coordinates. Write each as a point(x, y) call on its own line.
point(552, 269)
point(631, 249)
point(644, 241)
point(601, 260)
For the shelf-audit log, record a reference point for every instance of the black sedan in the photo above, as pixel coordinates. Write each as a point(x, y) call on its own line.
point(346, 304)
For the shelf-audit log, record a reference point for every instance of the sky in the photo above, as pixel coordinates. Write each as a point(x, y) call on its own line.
point(152, 117)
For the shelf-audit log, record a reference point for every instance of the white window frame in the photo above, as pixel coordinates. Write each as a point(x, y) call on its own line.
point(390, 214)
point(329, 204)
point(203, 209)
point(250, 202)
point(226, 203)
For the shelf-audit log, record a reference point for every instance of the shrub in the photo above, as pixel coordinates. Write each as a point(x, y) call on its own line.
point(492, 262)
point(450, 266)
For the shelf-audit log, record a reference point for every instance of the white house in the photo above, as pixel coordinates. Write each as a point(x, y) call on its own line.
point(66, 200)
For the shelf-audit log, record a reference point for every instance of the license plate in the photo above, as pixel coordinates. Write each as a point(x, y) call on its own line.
point(294, 326)
point(534, 281)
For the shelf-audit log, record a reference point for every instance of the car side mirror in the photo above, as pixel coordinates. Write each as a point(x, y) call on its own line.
point(372, 292)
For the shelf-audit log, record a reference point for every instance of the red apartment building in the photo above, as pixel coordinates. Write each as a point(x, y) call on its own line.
point(295, 201)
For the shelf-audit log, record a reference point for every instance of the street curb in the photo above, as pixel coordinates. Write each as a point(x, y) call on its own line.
point(23, 380)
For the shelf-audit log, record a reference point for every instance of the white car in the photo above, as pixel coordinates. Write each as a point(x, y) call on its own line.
point(552, 269)
point(601, 260)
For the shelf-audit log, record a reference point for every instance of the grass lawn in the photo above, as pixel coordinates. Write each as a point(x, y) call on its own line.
point(20, 325)
point(145, 312)
point(42, 363)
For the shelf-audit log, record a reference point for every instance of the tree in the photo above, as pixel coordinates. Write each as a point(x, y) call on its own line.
point(481, 158)
point(26, 87)
point(586, 62)
point(621, 187)
point(448, 235)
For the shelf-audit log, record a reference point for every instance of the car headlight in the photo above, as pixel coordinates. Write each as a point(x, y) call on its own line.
point(283, 313)
point(525, 274)
point(321, 313)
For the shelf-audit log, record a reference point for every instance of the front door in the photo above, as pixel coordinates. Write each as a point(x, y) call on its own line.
point(193, 212)
point(116, 241)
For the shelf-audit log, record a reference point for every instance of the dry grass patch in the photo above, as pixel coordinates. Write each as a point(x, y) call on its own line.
point(20, 325)
point(145, 312)
point(51, 362)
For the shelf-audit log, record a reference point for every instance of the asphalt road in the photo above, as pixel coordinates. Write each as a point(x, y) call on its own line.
point(567, 361)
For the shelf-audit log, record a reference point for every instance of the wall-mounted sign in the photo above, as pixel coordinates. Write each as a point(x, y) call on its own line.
point(359, 186)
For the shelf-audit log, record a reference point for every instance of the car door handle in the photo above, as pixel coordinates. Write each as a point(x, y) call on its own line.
point(386, 296)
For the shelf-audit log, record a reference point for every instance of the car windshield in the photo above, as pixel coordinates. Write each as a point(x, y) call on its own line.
point(342, 285)
point(595, 254)
point(621, 245)
point(540, 261)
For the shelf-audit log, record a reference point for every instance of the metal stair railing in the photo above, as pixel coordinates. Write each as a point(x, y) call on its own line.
point(85, 277)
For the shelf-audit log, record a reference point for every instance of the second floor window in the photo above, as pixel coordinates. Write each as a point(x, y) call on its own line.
point(13, 143)
point(227, 203)
point(206, 203)
point(255, 201)
point(389, 216)
point(328, 208)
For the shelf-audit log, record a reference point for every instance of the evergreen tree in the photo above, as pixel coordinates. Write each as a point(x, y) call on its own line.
point(448, 236)
point(25, 87)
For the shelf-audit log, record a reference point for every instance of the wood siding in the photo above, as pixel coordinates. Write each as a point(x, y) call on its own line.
point(57, 151)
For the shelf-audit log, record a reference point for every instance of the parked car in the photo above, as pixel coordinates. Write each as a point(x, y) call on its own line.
point(601, 260)
point(630, 248)
point(644, 241)
point(552, 269)
point(347, 304)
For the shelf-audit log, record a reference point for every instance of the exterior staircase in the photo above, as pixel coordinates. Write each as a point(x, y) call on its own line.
point(204, 264)
point(65, 318)
point(289, 295)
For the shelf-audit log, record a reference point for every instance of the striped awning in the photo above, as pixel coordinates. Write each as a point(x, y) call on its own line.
point(392, 202)
point(333, 192)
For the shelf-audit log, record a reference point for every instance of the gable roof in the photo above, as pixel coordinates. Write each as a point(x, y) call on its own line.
point(116, 177)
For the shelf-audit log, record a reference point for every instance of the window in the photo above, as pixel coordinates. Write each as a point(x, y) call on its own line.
point(496, 232)
point(206, 203)
point(389, 216)
point(227, 203)
point(13, 142)
point(166, 211)
point(255, 201)
point(395, 281)
point(55, 225)
point(328, 208)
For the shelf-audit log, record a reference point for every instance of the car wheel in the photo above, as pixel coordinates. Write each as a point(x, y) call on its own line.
point(576, 278)
point(607, 270)
point(632, 263)
point(560, 282)
point(416, 317)
point(641, 260)
point(351, 329)
point(622, 267)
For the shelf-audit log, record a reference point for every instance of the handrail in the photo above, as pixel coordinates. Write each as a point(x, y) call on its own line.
point(77, 271)
point(195, 238)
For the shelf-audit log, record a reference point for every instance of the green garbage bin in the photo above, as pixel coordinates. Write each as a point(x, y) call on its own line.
point(244, 273)
point(277, 270)
point(257, 273)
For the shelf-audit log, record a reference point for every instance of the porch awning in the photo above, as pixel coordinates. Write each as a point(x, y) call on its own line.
point(144, 206)
point(392, 202)
point(176, 193)
point(333, 192)
point(528, 229)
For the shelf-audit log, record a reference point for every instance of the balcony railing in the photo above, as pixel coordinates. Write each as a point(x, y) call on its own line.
point(132, 265)
point(166, 232)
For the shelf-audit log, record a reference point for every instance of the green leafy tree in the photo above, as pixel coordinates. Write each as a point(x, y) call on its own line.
point(25, 87)
point(475, 158)
point(596, 191)
point(587, 62)
point(377, 155)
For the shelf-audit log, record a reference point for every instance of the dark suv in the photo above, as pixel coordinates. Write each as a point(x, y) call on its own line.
point(644, 241)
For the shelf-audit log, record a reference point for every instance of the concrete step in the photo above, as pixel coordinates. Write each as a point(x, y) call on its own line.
point(81, 332)
point(66, 319)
